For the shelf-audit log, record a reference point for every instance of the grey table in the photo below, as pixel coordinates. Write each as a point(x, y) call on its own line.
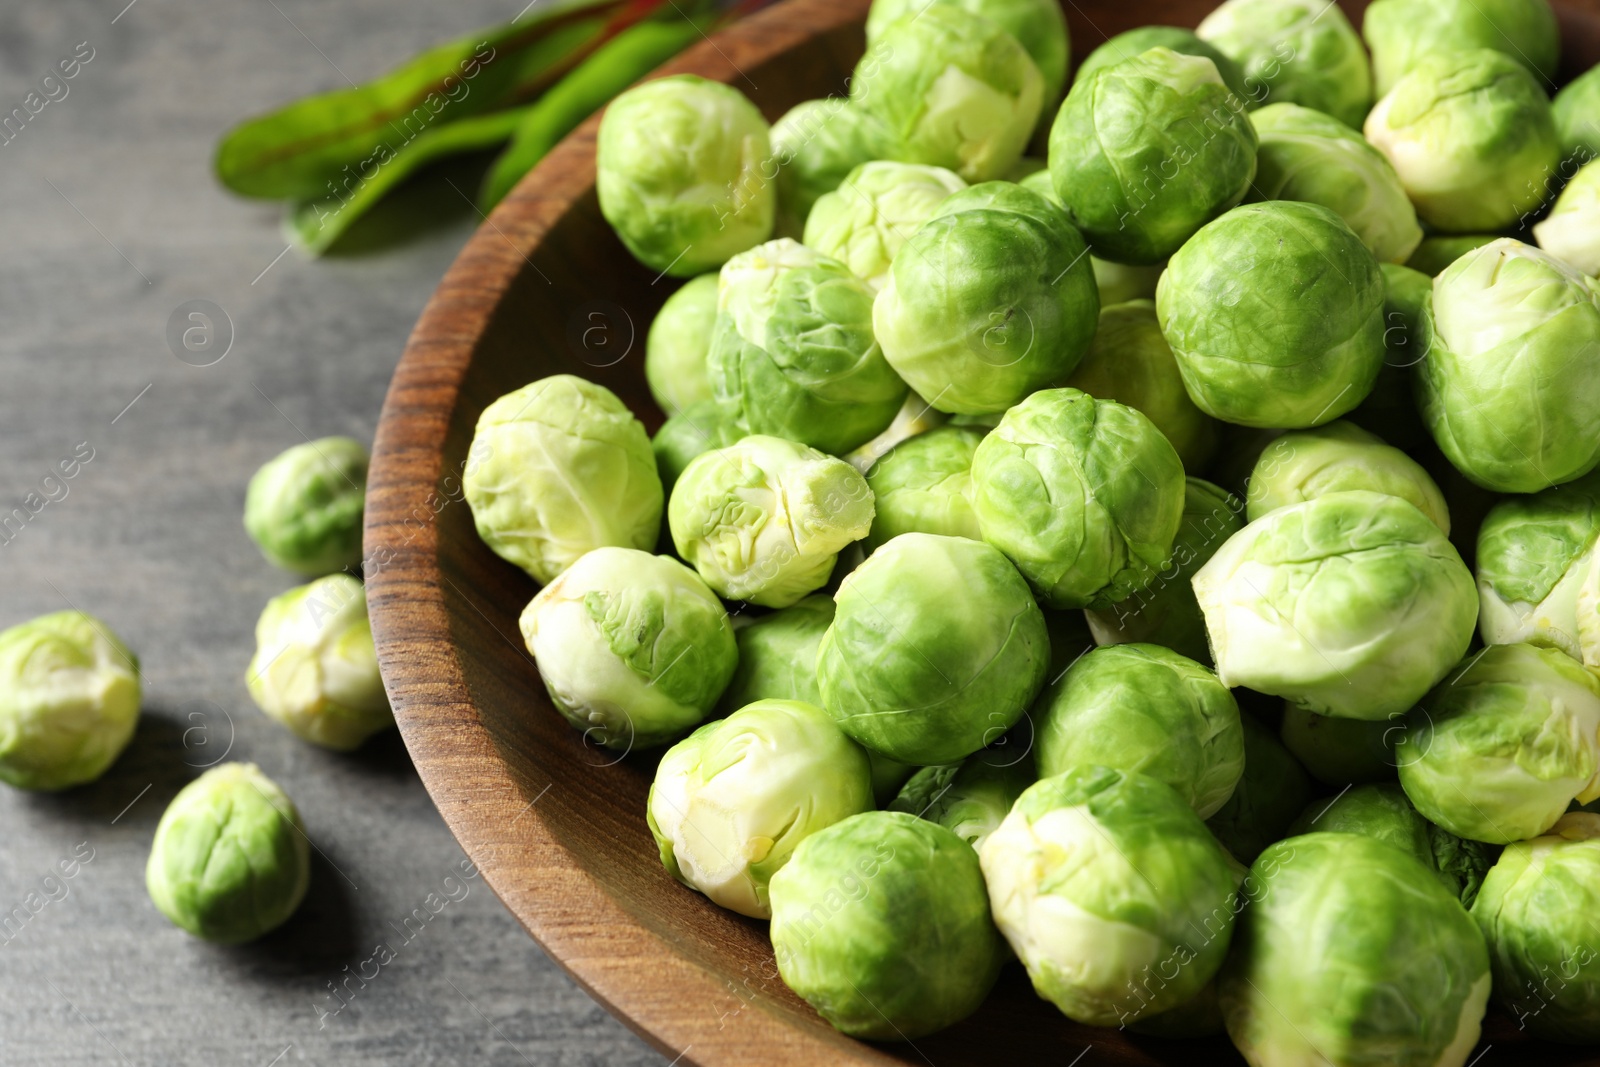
point(110, 220)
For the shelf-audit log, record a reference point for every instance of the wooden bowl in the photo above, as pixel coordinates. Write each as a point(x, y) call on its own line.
point(556, 826)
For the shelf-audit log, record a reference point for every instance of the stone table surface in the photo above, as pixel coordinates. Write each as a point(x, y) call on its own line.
point(109, 221)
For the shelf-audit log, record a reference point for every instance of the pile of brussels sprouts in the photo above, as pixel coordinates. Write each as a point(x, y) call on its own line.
point(231, 859)
point(1034, 543)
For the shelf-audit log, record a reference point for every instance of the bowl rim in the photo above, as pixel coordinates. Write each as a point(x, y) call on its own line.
point(639, 976)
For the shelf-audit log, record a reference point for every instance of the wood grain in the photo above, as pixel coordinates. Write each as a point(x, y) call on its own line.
point(556, 826)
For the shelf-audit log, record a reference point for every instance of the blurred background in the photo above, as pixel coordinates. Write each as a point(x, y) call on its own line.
point(113, 229)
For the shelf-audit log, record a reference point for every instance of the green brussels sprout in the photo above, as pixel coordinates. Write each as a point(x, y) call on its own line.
point(1145, 709)
point(1085, 496)
point(1383, 813)
point(881, 922)
point(1334, 458)
point(1271, 792)
point(954, 89)
point(1577, 114)
point(1540, 912)
point(557, 468)
point(1038, 25)
point(989, 301)
point(1294, 51)
point(1112, 892)
point(1401, 33)
point(732, 801)
point(1275, 314)
point(1308, 156)
point(1472, 137)
point(230, 860)
point(1497, 752)
point(695, 430)
point(1146, 152)
point(676, 347)
point(1117, 283)
point(793, 353)
point(1436, 253)
point(764, 519)
point(969, 798)
point(1136, 42)
point(816, 144)
point(1341, 751)
point(682, 171)
point(936, 650)
point(1390, 410)
point(1130, 362)
point(69, 701)
point(1505, 323)
point(924, 485)
point(1164, 611)
point(864, 222)
point(1353, 604)
point(1536, 573)
point(778, 655)
point(303, 508)
point(1350, 952)
point(633, 648)
point(1571, 231)
point(315, 670)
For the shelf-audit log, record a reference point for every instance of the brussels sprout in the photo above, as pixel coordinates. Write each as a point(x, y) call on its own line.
point(1434, 254)
point(793, 353)
point(969, 798)
point(815, 145)
point(557, 468)
point(303, 508)
point(881, 922)
point(1136, 42)
point(864, 222)
point(1383, 813)
point(1271, 792)
point(1571, 231)
point(1390, 410)
point(732, 801)
point(1341, 751)
point(1472, 137)
point(682, 170)
point(695, 430)
point(1038, 25)
point(986, 305)
point(1275, 314)
point(1146, 152)
point(936, 650)
point(230, 860)
point(924, 485)
point(69, 701)
point(1540, 912)
point(954, 89)
point(764, 519)
point(634, 649)
point(1401, 33)
point(315, 670)
point(1130, 362)
point(1112, 892)
point(1308, 156)
point(1499, 750)
point(1085, 496)
point(1352, 604)
point(1536, 573)
point(778, 655)
point(1510, 387)
point(1295, 51)
point(1117, 283)
point(1349, 952)
point(1164, 611)
point(1577, 115)
point(676, 347)
point(1334, 458)
point(1145, 708)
